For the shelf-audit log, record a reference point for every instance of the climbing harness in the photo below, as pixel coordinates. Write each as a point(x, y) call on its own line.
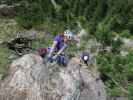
point(61, 60)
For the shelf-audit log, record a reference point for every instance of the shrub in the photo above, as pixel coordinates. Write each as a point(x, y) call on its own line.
point(103, 34)
point(130, 88)
point(116, 71)
point(125, 33)
point(29, 15)
point(116, 45)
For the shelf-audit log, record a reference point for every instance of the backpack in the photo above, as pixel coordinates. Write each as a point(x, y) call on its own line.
point(42, 51)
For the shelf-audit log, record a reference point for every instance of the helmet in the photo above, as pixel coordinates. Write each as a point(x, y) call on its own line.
point(68, 34)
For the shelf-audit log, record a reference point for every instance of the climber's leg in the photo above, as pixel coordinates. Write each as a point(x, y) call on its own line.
point(62, 60)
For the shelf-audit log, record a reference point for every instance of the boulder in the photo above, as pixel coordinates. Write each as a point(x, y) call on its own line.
point(7, 11)
point(32, 79)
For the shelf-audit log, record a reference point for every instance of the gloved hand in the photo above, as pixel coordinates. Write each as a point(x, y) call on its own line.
point(55, 57)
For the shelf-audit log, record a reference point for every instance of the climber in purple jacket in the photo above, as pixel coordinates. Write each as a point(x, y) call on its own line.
point(60, 44)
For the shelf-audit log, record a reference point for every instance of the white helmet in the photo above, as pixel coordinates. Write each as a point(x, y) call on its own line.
point(68, 34)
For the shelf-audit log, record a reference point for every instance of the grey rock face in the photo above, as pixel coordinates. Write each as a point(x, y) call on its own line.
point(30, 79)
point(7, 11)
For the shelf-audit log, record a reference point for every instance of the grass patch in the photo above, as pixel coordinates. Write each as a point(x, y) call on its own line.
point(4, 61)
point(8, 29)
point(42, 43)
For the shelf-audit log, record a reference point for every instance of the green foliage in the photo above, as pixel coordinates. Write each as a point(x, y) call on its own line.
point(71, 50)
point(4, 62)
point(130, 88)
point(8, 29)
point(116, 68)
point(54, 28)
point(103, 34)
point(116, 45)
point(29, 15)
point(94, 11)
point(125, 33)
point(41, 43)
point(115, 92)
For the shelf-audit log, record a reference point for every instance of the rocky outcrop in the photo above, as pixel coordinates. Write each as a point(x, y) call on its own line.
point(7, 11)
point(127, 42)
point(31, 79)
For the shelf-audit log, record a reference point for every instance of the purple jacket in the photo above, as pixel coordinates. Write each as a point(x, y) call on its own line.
point(59, 39)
